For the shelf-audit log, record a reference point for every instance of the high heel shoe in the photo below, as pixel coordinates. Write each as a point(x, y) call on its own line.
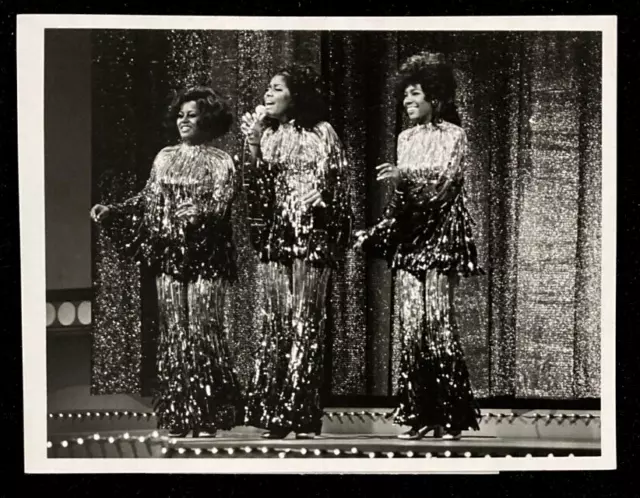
point(174, 433)
point(304, 435)
point(415, 434)
point(204, 433)
point(275, 434)
point(452, 436)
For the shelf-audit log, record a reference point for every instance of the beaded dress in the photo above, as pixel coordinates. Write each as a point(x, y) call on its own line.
point(193, 262)
point(425, 235)
point(298, 247)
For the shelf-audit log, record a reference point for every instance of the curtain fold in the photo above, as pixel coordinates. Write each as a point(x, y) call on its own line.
point(117, 327)
point(587, 369)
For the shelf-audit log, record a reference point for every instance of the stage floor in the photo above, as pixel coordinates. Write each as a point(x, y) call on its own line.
point(345, 434)
point(375, 446)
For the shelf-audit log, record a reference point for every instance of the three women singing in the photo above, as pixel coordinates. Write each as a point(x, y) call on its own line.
point(300, 215)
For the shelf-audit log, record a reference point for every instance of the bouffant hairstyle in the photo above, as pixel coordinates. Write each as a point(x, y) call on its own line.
point(435, 77)
point(215, 112)
point(308, 104)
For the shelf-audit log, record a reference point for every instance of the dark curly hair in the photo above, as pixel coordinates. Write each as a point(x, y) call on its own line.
point(215, 112)
point(437, 81)
point(309, 106)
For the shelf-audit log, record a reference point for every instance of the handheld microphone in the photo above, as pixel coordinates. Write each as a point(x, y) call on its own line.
point(261, 112)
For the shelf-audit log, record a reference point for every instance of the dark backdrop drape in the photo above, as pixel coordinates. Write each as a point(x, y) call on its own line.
point(530, 103)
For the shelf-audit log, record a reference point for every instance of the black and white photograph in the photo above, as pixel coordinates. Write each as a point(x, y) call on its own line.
point(318, 244)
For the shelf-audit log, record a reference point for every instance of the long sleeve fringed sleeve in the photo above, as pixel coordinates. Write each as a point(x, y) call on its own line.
point(124, 226)
point(209, 237)
point(259, 188)
point(155, 237)
point(331, 234)
point(426, 226)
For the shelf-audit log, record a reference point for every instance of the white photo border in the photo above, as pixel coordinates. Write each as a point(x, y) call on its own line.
point(30, 70)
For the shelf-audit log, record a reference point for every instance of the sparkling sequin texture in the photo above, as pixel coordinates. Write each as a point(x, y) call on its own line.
point(231, 62)
point(434, 386)
point(346, 72)
point(298, 246)
point(298, 161)
point(558, 225)
point(253, 57)
point(195, 174)
point(530, 104)
point(425, 235)
point(194, 261)
point(117, 304)
point(471, 295)
point(426, 226)
point(586, 365)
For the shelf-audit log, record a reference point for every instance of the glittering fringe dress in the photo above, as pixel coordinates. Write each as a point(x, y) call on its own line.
point(193, 262)
point(298, 247)
point(425, 235)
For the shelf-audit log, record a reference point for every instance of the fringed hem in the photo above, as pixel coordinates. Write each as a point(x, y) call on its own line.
point(282, 228)
point(436, 239)
point(275, 242)
point(286, 399)
point(195, 389)
point(207, 250)
point(292, 423)
point(444, 244)
point(435, 390)
point(284, 395)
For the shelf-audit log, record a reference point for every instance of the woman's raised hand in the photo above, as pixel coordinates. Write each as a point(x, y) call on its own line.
point(252, 128)
point(188, 211)
point(387, 171)
point(99, 212)
point(313, 198)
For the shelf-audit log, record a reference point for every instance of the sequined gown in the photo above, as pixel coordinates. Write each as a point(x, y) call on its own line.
point(298, 247)
point(425, 235)
point(193, 263)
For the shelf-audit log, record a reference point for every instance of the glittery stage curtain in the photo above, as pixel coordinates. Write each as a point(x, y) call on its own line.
point(530, 103)
point(531, 106)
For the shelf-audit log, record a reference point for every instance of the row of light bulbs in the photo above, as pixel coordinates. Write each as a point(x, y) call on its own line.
point(372, 415)
point(97, 438)
point(354, 452)
point(171, 445)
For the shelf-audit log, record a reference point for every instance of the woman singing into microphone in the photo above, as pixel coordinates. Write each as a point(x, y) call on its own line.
point(181, 221)
point(301, 220)
point(425, 235)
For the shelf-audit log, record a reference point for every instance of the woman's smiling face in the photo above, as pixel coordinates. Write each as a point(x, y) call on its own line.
point(187, 121)
point(416, 105)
